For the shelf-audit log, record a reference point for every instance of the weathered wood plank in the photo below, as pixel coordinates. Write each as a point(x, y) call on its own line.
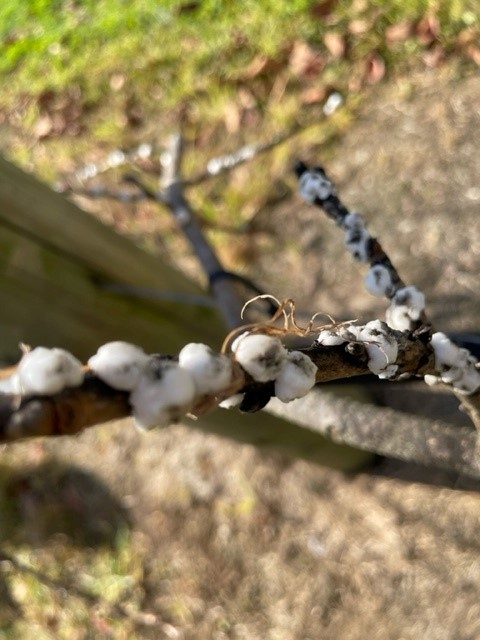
point(31, 207)
point(52, 256)
point(46, 299)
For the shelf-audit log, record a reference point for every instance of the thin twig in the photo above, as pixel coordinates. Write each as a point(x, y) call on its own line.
point(114, 160)
point(327, 199)
point(222, 286)
point(223, 164)
point(363, 426)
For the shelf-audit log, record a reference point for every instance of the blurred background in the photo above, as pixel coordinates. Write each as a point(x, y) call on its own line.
point(179, 534)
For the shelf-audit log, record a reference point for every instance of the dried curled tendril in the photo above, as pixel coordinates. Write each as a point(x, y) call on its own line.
point(287, 310)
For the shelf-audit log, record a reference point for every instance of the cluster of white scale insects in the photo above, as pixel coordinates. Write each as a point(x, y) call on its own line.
point(44, 371)
point(407, 303)
point(457, 367)
point(162, 390)
point(375, 336)
point(266, 360)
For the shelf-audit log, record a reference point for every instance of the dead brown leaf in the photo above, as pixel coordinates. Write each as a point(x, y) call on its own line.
point(355, 82)
point(101, 625)
point(246, 98)
point(473, 52)
point(398, 32)
point(134, 112)
point(467, 36)
point(205, 135)
point(279, 87)
point(188, 7)
point(304, 61)
point(323, 9)
point(428, 29)
point(374, 68)
point(357, 27)
point(335, 43)
point(46, 99)
point(232, 117)
point(313, 95)
point(261, 65)
point(434, 56)
point(117, 81)
point(252, 118)
point(59, 113)
point(43, 127)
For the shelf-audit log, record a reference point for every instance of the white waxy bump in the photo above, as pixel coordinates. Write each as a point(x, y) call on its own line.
point(398, 318)
point(446, 352)
point(314, 185)
point(163, 394)
point(232, 401)
point(407, 306)
point(431, 380)
point(350, 332)
point(455, 365)
point(10, 384)
point(359, 250)
point(119, 364)
point(381, 347)
point(296, 378)
point(45, 371)
point(329, 338)
point(261, 356)
point(378, 281)
point(211, 371)
point(357, 237)
point(469, 381)
point(353, 222)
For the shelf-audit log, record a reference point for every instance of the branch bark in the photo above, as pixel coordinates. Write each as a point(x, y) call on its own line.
point(385, 431)
point(222, 286)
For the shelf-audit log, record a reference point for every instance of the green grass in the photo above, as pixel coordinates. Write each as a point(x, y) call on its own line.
point(170, 52)
point(195, 61)
point(89, 61)
point(55, 44)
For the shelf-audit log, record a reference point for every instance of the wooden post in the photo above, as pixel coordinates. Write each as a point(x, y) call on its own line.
point(53, 257)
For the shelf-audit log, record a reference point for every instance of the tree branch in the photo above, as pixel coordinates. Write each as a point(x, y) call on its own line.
point(223, 164)
point(65, 413)
point(362, 426)
point(385, 431)
point(73, 409)
point(457, 367)
point(221, 285)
